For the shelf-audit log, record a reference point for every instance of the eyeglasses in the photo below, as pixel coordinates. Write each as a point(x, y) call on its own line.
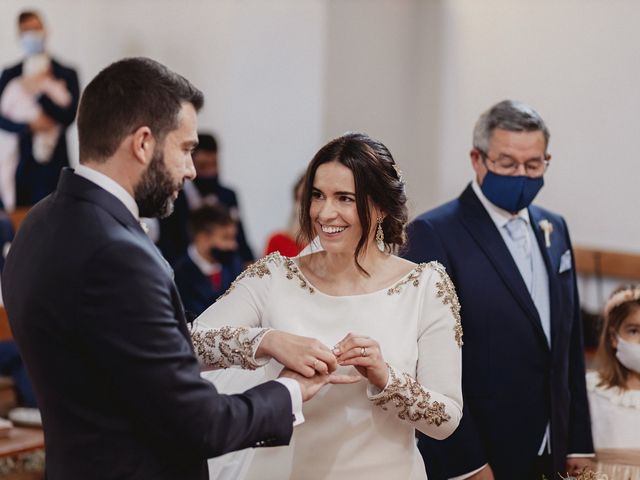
point(508, 166)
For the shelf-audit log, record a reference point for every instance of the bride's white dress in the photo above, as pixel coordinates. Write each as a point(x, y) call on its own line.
point(350, 431)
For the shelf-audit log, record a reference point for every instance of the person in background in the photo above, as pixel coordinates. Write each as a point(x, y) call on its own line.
point(614, 389)
point(205, 189)
point(11, 364)
point(286, 241)
point(526, 411)
point(212, 261)
point(38, 101)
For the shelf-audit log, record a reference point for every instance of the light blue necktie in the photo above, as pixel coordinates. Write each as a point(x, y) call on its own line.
point(518, 231)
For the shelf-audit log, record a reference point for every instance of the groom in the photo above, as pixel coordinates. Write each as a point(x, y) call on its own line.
point(96, 314)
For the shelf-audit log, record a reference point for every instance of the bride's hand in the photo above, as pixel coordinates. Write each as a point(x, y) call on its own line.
point(310, 386)
point(301, 354)
point(365, 354)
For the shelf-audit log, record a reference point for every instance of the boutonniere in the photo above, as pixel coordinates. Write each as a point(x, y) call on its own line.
point(547, 228)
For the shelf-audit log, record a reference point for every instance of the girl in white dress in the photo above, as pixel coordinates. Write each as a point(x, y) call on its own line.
point(614, 390)
point(349, 304)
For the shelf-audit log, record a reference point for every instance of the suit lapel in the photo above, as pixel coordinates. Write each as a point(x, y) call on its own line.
point(536, 217)
point(77, 186)
point(480, 226)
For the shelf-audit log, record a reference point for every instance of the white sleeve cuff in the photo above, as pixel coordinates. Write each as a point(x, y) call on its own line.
point(581, 455)
point(261, 361)
point(467, 475)
point(296, 399)
point(373, 392)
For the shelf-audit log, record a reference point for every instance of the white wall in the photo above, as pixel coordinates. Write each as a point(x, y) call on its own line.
point(283, 76)
point(578, 63)
point(259, 63)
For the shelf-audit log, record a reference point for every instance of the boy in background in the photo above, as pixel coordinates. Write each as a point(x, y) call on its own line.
point(212, 261)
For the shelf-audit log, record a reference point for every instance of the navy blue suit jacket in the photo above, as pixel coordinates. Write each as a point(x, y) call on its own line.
point(34, 181)
point(101, 328)
point(513, 383)
point(196, 289)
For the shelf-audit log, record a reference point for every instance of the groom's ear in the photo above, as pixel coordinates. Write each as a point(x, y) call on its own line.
point(142, 145)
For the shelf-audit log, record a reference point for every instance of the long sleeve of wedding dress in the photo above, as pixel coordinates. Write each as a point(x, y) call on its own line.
point(235, 343)
point(431, 399)
point(228, 346)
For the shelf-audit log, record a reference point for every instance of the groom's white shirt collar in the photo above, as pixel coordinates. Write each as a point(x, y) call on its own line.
point(111, 186)
point(499, 215)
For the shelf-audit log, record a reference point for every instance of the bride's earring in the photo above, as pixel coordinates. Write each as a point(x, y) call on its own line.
point(380, 236)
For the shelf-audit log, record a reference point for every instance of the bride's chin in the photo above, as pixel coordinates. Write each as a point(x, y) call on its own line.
point(336, 249)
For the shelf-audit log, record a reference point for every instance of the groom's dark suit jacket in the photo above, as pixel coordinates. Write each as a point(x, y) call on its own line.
point(98, 319)
point(512, 382)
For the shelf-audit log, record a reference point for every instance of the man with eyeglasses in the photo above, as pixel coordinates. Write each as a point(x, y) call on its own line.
point(525, 412)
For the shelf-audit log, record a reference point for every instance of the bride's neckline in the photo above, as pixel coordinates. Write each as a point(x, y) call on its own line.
point(410, 276)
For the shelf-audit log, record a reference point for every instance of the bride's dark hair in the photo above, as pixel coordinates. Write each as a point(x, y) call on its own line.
point(376, 178)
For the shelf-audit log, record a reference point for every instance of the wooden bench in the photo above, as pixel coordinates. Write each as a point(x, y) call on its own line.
point(604, 263)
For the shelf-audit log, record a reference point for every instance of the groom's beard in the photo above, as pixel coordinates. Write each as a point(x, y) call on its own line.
point(155, 190)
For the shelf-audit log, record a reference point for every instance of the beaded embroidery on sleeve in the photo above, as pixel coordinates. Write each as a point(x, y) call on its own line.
point(410, 400)
point(445, 291)
point(228, 346)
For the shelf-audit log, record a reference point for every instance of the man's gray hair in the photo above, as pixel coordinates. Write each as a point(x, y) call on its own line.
point(509, 115)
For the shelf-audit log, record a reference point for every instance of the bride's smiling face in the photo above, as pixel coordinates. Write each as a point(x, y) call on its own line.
point(333, 209)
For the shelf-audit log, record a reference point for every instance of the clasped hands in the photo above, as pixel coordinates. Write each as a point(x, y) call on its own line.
point(314, 365)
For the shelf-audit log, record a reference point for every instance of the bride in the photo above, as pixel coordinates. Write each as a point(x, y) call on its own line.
point(351, 303)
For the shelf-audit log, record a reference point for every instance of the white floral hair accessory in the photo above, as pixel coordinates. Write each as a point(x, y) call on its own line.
point(399, 173)
point(627, 295)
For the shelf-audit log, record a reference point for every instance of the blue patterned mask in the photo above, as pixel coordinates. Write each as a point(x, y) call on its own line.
point(511, 193)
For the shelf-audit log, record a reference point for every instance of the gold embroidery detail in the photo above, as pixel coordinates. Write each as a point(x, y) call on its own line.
point(413, 277)
point(412, 400)
point(227, 346)
point(258, 269)
point(586, 474)
point(447, 292)
point(294, 271)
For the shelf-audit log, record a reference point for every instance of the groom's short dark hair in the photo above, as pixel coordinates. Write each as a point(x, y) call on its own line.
point(127, 95)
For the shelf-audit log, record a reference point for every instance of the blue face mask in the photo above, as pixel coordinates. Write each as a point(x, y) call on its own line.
point(511, 193)
point(32, 42)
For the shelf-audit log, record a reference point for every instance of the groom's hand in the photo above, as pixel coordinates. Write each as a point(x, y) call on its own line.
point(304, 355)
point(310, 386)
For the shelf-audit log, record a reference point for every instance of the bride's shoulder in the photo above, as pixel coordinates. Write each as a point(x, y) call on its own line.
point(257, 276)
point(265, 266)
point(424, 269)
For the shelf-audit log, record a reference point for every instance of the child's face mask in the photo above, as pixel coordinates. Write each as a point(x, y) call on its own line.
point(628, 354)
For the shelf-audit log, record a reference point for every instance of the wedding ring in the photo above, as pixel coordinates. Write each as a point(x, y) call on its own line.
point(363, 352)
